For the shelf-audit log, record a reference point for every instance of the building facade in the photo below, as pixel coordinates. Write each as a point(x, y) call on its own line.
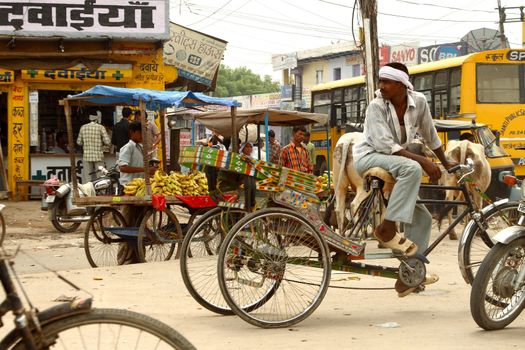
point(57, 49)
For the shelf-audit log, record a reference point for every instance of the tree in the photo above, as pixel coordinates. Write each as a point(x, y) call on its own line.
point(242, 81)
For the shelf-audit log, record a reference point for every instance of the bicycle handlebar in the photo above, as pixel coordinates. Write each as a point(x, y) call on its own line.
point(465, 168)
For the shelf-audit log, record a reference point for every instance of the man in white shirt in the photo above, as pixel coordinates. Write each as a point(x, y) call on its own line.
point(131, 159)
point(392, 121)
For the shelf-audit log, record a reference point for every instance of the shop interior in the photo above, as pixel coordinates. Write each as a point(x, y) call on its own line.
point(52, 120)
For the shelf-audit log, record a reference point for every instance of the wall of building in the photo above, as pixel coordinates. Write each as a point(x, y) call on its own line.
point(147, 71)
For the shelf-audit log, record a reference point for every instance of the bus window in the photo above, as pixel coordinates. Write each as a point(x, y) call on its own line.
point(340, 119)
point(440, 104)
point(322, 98)
point(352, 104)
point(498, 83)
point(423, 82)
point(338, 96)
point(455, 91)
point(441, 80)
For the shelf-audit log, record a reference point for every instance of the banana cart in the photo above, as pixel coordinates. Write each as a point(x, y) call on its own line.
point(126, 229)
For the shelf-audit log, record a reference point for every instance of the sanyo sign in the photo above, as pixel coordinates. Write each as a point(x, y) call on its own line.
point(406, 54)
point(440, 52)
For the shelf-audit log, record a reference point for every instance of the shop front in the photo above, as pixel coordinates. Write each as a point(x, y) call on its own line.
point(38, 69)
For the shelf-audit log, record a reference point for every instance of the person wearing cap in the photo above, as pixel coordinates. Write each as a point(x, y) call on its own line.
point(392, 121)
point(92, 137)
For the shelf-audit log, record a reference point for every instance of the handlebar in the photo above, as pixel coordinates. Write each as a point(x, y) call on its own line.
point(463, 169)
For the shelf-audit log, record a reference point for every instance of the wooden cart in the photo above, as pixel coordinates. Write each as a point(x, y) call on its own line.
point(133, 229)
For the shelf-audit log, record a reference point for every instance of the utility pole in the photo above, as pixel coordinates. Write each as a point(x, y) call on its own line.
point(502, 18)
point(369, 15)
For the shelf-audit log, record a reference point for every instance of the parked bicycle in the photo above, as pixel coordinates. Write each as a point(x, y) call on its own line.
point(498, 291)
point(76, 325)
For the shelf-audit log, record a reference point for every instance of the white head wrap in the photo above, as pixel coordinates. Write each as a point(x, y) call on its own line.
point(390, 73)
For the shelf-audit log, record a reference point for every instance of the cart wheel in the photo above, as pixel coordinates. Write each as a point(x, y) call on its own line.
point(274, 268)
point(159, 233)
point(198, 259)
point(100, 244)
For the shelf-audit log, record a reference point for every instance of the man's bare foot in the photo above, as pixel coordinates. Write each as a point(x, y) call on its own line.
point(385, 231)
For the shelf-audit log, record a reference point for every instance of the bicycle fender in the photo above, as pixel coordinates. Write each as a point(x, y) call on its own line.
point(472, 226)
point(510, 234)
point(469, 229)
point(52, 314)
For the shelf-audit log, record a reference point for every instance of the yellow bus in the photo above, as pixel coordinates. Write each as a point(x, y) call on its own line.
point(488, 87)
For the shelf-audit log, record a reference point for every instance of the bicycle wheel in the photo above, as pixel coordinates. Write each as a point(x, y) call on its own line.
point(108, 329)
point(478, 242)
point(495, 300)
point(2, 228)
point(275, 262)
point(198, 259)
point(159, 233)
point(100, 244)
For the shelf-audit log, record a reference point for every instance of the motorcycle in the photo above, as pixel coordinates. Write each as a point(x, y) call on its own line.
point(498, 291)
point(58, 199)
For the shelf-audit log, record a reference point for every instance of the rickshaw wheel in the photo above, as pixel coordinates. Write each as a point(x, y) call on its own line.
point(276, 262)
point(159, 234)
point(100, 244)
point(198, 259)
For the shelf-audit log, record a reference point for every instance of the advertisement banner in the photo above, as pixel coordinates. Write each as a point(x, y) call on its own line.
point(106, 73)
point(384, 55)
point(197, 56)
point(406, 53)
point(439, 52)
point(85, 18)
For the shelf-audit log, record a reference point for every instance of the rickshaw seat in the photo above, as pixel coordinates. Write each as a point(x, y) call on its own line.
point(383, 175)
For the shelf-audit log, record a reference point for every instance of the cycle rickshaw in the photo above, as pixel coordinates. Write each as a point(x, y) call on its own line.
point(274, 264)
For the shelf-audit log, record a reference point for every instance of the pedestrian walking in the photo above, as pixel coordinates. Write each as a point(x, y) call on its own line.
point(120, 134)
point(92, 137)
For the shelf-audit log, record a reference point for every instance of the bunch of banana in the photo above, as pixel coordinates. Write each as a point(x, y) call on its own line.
point(193, 184)
point(135, 187)
point(165, 184)
point(322, 182)
point(174, 184)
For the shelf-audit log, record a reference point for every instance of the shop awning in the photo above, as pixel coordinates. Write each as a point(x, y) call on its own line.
point(220, 122)
point(108, 95)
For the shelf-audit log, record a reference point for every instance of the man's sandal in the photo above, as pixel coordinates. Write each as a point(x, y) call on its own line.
point(403, 291)
point(400, 243)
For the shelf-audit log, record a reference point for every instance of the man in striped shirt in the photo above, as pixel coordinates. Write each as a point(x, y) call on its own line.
point(294, 155)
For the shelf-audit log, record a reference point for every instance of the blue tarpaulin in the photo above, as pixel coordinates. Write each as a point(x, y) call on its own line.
point(154, 99)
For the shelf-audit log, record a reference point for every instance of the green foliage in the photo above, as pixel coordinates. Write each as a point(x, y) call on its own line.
point(242, 81)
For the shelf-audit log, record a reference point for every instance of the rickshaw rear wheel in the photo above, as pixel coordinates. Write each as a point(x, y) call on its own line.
point(277, 250)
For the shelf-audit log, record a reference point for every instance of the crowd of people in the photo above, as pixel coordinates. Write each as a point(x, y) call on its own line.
point(299, 154)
